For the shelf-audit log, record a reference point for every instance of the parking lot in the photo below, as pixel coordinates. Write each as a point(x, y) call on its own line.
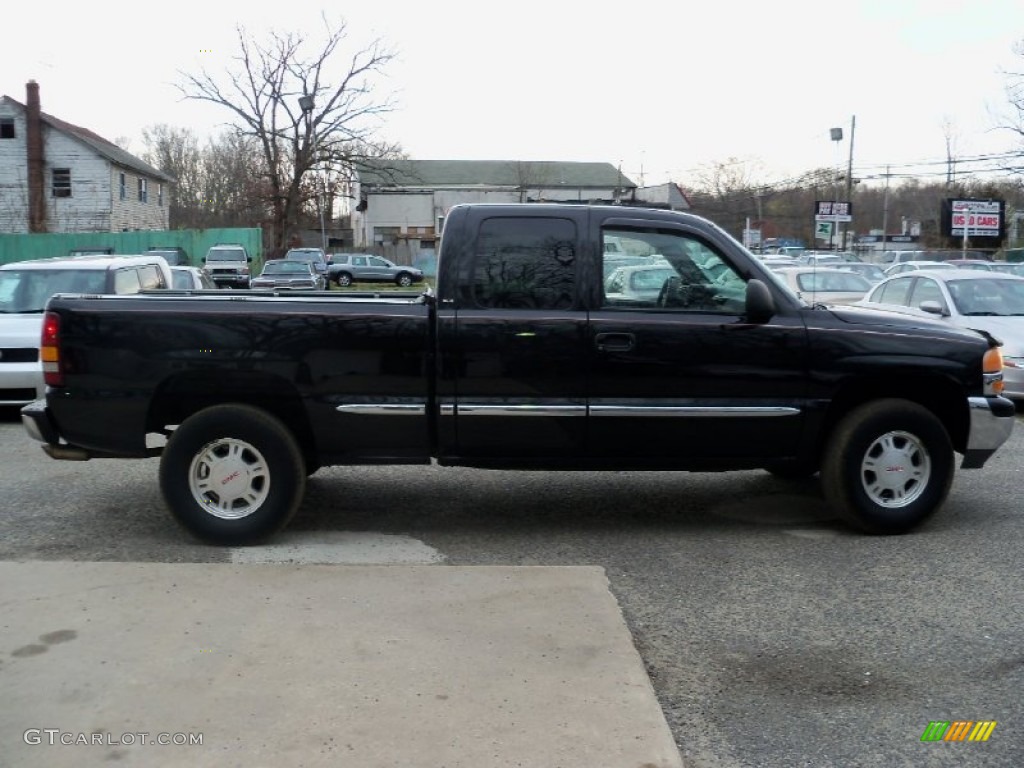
point(773, 635)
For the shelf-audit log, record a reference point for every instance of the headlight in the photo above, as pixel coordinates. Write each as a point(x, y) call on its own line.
point(992, 371)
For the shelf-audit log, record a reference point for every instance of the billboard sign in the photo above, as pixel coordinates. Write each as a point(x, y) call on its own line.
point(832, 210)
point(982, 218)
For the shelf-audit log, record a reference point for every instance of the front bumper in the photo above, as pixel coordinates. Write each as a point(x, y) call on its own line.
point(992, 420)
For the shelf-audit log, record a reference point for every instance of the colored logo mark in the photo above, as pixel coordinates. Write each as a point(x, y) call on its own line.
point(958, 730)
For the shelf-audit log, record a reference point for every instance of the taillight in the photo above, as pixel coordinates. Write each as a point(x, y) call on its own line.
point(53, 373)
point(992, 369)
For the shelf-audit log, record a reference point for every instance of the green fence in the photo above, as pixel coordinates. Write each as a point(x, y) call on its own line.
point(195, 242)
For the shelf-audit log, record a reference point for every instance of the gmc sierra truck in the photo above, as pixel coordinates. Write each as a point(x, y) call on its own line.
point(520, 359)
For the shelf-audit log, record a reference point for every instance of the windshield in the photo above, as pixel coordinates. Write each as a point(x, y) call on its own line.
point(28, 290)
point(304, 255)
point(226, 254)
point(285, 268)
point(987, 296)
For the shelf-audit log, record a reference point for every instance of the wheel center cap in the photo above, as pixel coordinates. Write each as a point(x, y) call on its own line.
point(229, 478)
point(893, 469)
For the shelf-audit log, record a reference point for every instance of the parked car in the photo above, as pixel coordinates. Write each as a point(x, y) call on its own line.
point(825, 285)
point(227, 265)
point(175, 256)
point(987, 301)
point(1016, 268)
point(611, 263)
point(911, 266)
point(347, 268)
point(870, 272)
point(778, 262)
point(982, 264)
point(191, 279)
point(314, 256)
point(638, 285)
point(289, 274)
point(26, 287)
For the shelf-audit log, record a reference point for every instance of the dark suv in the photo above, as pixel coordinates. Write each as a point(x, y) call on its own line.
point(314, 256)
point(175, 256)
point(228, 265)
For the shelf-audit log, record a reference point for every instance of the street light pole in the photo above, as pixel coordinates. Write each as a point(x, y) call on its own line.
point(306, 104)
point(837, 136)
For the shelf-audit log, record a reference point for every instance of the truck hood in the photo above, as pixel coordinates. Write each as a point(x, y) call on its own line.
point(21, 330)
point(856, 314)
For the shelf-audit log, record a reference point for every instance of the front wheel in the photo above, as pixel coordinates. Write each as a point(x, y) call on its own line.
point(888, 467)
point(343, 280)
point(232, 474)
point(404, 279)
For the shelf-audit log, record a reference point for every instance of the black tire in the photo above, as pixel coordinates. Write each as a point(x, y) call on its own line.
point(888, 466)
point(404, 279)
point(343, 280)
point(250, 448)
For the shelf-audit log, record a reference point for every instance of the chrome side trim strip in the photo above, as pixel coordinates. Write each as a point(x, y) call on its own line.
point(693, 411)
point(632, 411)
point(514, 410)
point(384, 409)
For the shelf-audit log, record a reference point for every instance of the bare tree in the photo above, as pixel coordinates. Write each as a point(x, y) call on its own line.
point(299, 114)
point(175, 151)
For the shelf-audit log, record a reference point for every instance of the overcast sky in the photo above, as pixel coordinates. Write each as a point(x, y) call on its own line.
point(663, 88)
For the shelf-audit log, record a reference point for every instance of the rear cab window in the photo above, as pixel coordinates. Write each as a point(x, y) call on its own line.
point(521, 262)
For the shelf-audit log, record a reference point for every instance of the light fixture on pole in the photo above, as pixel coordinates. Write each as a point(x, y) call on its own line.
point(306, 104)
point(837, 136)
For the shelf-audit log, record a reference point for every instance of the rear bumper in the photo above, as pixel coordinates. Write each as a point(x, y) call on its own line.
point(39, 424)
point(992, 420)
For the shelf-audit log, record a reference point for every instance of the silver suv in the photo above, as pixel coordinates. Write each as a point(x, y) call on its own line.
point(348, 268)
point(228, 265)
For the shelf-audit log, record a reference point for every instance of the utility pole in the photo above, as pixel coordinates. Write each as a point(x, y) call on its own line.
point(885, 212)
point(849, 178)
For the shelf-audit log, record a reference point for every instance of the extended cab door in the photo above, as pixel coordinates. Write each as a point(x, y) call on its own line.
point(678, 375)
point(511, 336)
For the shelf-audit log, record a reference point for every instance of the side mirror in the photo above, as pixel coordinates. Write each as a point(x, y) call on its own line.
point(760, 302)
point(248, 259)
point(931, 307)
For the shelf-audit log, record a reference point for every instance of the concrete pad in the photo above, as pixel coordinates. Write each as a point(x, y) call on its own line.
point(338, 548)
point(321, 665)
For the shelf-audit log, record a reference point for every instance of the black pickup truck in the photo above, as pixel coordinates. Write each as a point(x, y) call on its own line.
point(535, 352)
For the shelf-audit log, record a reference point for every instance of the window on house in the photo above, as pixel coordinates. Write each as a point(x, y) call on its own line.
point(124, 187)
point(6, 127)
point(143, 191)
point(61, 182)
point(160, 195)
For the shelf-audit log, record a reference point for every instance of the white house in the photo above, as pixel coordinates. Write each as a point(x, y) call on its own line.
point(402, 203)
point(59, 177)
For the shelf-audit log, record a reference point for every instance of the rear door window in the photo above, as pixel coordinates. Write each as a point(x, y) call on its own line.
point(521, 263)
point(127, 281)
point(150, 278)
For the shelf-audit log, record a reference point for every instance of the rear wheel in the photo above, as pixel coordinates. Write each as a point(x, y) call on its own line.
point(343, 280)
point(888, 467)
point(232, 474)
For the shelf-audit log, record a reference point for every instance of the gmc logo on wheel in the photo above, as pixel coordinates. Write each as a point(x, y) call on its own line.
point(229, 478)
